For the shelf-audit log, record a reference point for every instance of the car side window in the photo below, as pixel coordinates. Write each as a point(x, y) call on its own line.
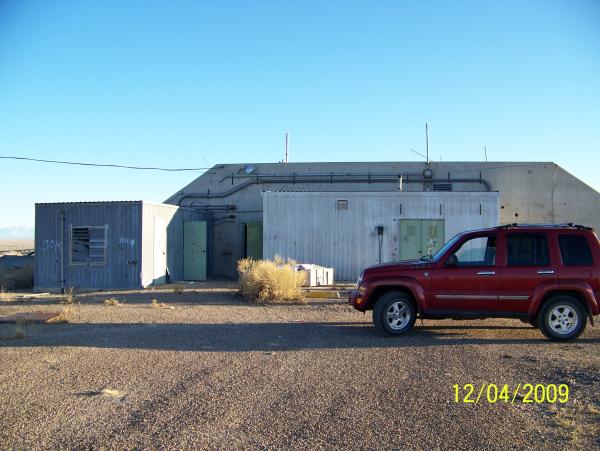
point(574, 250)
point(527, 249)
point(479, 251)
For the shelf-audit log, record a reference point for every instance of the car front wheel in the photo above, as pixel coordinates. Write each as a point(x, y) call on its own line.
point(562, 318)
point(394, 313)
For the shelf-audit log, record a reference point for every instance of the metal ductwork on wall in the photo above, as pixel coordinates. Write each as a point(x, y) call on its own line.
point(331, 178)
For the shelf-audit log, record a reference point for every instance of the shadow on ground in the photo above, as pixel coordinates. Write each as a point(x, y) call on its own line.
point(268, 337)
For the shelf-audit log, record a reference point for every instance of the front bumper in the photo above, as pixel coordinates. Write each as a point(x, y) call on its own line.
point(357, 300)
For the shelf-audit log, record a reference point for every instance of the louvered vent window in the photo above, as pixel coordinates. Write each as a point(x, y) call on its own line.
point(88, 245)
point(442, 186)
point(341, 204)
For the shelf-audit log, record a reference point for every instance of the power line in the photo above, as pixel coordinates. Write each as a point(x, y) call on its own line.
point(76, 163)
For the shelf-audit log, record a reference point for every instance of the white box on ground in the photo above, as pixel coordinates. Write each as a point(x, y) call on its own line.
point(316, 275)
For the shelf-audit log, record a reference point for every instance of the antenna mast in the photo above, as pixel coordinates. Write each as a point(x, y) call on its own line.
point(427, 141)
point(286, 147)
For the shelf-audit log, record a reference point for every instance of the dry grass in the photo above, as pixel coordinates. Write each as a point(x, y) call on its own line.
point(112, 302)
point(69, 297)
point(155, 304)
point(266, 280)
point(577, 422)
point(4, 296)
point(177, 289)
point(64, 316)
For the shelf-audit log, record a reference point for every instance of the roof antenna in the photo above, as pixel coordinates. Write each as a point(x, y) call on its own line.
point(485, 152)
point(426, 156)
point(286, 147)
point(427, 141)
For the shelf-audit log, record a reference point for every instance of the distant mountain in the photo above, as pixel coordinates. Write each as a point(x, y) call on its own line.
point(16, 233)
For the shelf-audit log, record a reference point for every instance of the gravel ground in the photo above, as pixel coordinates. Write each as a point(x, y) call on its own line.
point(210, 371)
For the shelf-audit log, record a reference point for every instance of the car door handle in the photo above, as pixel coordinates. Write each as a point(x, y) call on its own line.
point(546, 271)
point(486, 273)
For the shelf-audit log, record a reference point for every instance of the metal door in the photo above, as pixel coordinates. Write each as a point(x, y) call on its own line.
point(410, 239)
point(419, 237)
point(254, 240)
point(194, 250)
point(160, 252)
point(432, 236)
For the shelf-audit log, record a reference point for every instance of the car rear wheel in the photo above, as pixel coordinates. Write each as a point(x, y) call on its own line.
point(562, 318)
point(394, 313)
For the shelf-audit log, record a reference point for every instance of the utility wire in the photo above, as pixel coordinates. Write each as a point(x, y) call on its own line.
point(143, 168)
point(75, 163)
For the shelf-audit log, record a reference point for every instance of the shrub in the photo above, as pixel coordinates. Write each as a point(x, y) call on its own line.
point(4, 296)
point(64, 316)
point(178, 289)
point(155, 304)
point(69, 297)
point(266, 280)
point(112, 301)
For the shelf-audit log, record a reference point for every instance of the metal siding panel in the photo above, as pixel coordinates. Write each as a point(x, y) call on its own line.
point(47, 247)
point(346, 239)
point(122, 220)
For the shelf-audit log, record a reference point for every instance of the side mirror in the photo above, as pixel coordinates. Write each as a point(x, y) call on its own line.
point(452, 261)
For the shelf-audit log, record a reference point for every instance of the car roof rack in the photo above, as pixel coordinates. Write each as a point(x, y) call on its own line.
point(549, 226)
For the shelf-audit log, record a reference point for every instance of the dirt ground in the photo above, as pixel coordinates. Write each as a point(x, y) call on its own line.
point(205, 369)
point(15, 246)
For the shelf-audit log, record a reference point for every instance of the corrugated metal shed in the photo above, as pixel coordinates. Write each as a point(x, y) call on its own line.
point(339, 229)
point(99, 245)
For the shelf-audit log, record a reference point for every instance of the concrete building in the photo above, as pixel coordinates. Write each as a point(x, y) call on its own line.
point(99, 245)
point(232, 197)
point(340, 215)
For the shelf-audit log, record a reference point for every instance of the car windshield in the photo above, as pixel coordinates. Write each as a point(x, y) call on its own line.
point(442, 250)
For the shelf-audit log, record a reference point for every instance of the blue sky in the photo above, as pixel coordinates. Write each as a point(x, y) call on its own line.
point(191, 83)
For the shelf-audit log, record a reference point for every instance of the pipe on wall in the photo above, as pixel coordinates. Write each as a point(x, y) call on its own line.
point(337, 178)
point(204, 207)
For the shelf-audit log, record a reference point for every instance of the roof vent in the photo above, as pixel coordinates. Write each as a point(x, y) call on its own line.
point(442, 187)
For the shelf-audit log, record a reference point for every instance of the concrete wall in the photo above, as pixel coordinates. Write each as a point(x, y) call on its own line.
point(529, 192)
point(308, 227)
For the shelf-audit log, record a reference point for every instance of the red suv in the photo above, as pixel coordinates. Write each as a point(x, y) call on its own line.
point(547, 275)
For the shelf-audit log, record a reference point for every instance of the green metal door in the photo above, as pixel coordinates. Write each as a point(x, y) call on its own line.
point(254, 240)
point(194, 250)
point(420, 237)
point(410, 239)
point(432, 235)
